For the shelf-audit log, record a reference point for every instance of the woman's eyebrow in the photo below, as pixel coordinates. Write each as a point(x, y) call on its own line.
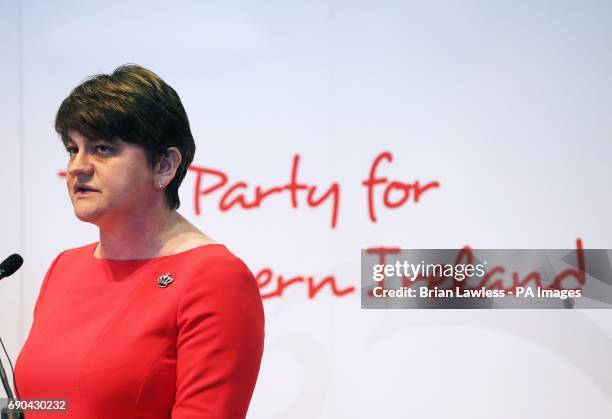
point(106, 140)
point(67, 140)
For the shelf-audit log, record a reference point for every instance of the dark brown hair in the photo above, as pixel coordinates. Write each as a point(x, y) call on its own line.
point(134, 105)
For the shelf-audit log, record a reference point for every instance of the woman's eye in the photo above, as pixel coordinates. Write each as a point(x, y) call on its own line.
point(72, 150)
point(104, 149)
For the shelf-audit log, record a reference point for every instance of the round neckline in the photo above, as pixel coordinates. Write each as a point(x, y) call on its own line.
point(95, 244)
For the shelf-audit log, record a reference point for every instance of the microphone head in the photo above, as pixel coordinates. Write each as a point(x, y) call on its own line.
point(10, 265)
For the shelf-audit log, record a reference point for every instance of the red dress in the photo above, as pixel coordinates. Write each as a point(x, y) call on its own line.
point(112, 341)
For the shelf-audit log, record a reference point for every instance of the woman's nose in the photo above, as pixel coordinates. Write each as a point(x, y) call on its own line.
point(80, 164)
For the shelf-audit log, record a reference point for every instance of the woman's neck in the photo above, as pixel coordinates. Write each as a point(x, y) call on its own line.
point(155, 234)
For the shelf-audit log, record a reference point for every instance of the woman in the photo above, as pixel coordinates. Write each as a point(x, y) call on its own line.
point(156, 320)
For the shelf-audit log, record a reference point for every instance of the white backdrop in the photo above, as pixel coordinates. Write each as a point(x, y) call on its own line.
point(505, 104)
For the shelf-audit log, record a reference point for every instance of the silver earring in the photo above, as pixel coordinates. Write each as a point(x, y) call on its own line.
point(160, 186)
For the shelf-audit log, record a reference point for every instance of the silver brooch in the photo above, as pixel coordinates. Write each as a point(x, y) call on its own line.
point(164, 280)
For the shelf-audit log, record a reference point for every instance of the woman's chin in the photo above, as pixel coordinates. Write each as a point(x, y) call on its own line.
point(87, 215)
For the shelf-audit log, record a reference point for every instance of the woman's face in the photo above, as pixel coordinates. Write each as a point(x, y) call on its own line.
point(108, 181)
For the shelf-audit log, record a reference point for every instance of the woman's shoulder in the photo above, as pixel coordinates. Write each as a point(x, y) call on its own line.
point(210, 264)
point(209, 257)
point(217, 281)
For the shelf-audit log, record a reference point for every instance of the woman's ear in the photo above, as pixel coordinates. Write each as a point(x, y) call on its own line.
point(166, 168)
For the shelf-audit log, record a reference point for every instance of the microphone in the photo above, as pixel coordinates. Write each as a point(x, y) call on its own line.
point(10, 265)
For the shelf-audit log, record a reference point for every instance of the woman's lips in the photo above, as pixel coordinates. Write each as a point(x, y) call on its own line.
point(84, 193)
point(83, 190)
